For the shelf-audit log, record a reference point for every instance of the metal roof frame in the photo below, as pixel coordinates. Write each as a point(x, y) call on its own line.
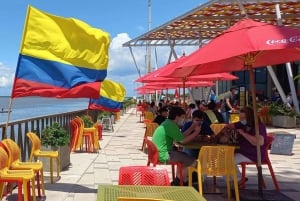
point(205, 22)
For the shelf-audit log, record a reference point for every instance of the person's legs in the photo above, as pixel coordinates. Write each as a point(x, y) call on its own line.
point(238, 158)
point(225, 117)
point(191, 152)
point(178, 156)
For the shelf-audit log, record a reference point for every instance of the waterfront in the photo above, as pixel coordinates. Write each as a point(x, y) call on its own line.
point(29, 107)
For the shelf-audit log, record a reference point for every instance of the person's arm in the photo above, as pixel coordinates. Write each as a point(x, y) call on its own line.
point(191, 136)
point(252, 138)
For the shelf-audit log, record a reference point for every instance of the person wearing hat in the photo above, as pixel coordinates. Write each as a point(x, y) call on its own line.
point(162, 115)
point(228, 102)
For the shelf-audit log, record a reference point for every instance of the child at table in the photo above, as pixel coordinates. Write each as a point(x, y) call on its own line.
point(197, 118)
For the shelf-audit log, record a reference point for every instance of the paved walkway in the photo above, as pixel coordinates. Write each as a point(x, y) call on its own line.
point(123, 147)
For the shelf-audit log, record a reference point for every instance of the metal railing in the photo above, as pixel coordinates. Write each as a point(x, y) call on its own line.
point(17, 130)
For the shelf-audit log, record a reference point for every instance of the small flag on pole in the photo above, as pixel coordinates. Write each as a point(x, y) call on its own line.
point(112, 95)
point(60, 57)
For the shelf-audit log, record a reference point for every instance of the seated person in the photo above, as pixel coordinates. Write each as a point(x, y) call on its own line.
point(197, 118)
point(213, 115)
point(190, 110)
point(247, 139)
point(162, 115)
point(167, 133)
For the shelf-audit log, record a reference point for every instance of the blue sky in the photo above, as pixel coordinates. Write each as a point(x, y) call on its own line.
point(122, 19)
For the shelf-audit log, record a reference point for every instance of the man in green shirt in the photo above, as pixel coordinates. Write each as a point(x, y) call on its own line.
point(168, 132)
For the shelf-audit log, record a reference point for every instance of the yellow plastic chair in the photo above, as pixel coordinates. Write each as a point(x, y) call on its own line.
point(149, 131)
point(14, 163)
point(140, 199)
point(148, 116)
point(36, 152)
point(21, 177)
point(216, 128)
point(216, 161)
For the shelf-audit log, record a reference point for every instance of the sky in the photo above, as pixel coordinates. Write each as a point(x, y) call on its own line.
point(122, 19)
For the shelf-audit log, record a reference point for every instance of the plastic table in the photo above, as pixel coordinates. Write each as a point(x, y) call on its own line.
point(176, 193)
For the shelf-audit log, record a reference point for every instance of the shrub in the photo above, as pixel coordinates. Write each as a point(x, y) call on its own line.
point(55, 135)
point(281, 109)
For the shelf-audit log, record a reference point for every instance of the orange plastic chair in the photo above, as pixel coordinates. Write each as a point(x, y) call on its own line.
point(14, 163)
point(216, 161)
point(75, 132)
point(21, 177)
point(143, 175)
point(270, 139)
point(90, 136)
point(153, 159)
point(149, 131)
point(140, 199)
point(36, 152)
point(216, 128)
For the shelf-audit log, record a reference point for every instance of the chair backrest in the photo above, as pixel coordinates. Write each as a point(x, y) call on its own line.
point(74, 127)
point(35, 143)
point(270, 139)
point(148, 115)
point(216, 128)
point(13, 150)
point(3, 159)
point(150, 128)
point(152, 152)
point(216, 160)
point(140, 199)
point(143, 175)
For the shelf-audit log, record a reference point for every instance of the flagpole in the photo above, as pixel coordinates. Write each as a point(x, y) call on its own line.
point(18, 64)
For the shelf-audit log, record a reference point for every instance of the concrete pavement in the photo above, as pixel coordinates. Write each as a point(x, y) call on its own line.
point(123, 147)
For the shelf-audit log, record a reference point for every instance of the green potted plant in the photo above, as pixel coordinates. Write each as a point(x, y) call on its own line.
point(87, 121)
point(55, 137)
point(282, 115)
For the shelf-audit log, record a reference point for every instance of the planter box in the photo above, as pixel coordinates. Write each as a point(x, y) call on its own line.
point(284, 121)
point(64, 157)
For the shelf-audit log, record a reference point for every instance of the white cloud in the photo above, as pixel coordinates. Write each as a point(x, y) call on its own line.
point(6, 76)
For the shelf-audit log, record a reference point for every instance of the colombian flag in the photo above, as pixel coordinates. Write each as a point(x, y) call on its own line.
point(111, 97)
point(60, 57)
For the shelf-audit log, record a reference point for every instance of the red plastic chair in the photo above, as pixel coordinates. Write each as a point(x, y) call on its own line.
point(153, 158)
point(143, 175)
point(270, 139)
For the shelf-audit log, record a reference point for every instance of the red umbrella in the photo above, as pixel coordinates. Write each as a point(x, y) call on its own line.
point(148, 91)
point(159, 75)
point(174, 85)
point(246, 45)
point(162, 74)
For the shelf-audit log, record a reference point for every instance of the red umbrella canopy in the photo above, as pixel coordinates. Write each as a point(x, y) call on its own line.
point(246, 43)
point(174, 85)
point(161, 74)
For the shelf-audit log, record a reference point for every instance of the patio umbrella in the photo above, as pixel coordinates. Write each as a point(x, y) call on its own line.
point(246, 45)
point(175, 85)
point(161, 75)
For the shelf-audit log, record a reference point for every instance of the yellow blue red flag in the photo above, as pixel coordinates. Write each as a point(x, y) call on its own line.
point(60, 57)
point(112, 95)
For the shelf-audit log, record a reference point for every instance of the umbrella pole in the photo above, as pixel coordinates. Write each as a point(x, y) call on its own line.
point(184, 94)
point(253, 94)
